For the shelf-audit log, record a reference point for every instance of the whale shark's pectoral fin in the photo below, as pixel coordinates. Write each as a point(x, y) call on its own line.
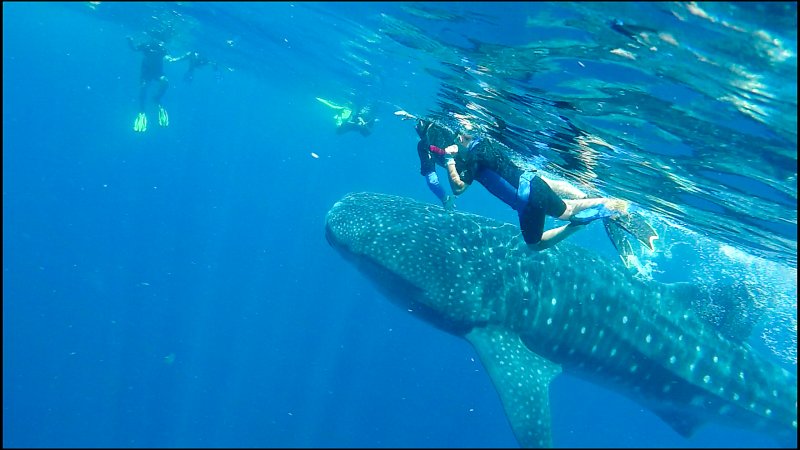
point(522, 378)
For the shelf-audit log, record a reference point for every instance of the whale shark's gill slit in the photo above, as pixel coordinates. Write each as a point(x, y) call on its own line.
point(407, 296)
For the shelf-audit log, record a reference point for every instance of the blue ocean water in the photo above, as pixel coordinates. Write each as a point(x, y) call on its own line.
point(174, 287)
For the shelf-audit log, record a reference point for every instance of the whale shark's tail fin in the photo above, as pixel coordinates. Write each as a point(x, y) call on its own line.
point(727, 305)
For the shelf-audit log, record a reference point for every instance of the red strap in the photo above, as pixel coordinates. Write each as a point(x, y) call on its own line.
point(436, 149)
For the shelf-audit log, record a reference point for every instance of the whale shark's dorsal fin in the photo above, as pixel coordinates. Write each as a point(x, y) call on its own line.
point(522, 378)
point(727, 305)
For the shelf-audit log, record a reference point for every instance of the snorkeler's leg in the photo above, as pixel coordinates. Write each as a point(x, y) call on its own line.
point(140, 124)
point(582, 211)
point(163, 117)
point(553, 236)
point(142, 95)
point(531, 223)
point(564, 189)
point(600, 207)
point(163, 84)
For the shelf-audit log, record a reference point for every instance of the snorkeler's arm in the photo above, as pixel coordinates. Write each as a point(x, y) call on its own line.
point(456, 184)
point(170, 58)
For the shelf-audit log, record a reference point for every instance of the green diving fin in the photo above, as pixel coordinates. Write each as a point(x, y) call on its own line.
point(522, 378)
point(637, 226)
point(140, 124)
point(163, 117)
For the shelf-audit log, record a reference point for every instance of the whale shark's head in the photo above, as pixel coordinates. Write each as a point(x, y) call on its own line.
point(432, 262)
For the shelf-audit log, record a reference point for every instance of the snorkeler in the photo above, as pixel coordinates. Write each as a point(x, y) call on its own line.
point(428, 160)
point(196, 60)
point(346, 120)
point(481, 157)
point(152, 71)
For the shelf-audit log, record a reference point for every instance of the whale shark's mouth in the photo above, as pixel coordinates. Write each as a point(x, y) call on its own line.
point(334, 221)
point(330, 236)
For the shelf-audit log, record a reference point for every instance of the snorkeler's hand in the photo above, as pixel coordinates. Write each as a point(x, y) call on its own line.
point(451, 149)
point(404, 115)
point(449, 202)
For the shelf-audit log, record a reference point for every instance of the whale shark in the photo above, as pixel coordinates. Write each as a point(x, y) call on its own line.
point(531, 316)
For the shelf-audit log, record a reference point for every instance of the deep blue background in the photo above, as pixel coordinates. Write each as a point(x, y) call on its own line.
point(204, 242)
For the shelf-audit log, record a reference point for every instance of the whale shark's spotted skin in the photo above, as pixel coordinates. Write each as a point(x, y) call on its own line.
point(531, 315)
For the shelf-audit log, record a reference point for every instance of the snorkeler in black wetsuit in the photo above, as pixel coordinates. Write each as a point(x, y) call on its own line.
point(154, 54)
point(362, 121)
point(197, 60)
point(476, 157)
point(436, 135)
point(348, 120)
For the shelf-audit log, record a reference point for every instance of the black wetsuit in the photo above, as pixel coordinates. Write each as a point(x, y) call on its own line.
point(152, 70)
point(432, 133)
point(152, 61)
point(487, 161)
point(353, 124)
point(195, 61)
point(361, 122)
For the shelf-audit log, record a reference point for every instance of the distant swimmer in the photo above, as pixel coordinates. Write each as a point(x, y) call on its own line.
point(428, 160)
point(154, 53)
point(196, 60)
point(347, 119)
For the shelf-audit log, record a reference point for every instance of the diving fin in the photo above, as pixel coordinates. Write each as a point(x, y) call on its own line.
point(140, 124)
point(163, 117)
point(635, 224)
point(619, 238)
